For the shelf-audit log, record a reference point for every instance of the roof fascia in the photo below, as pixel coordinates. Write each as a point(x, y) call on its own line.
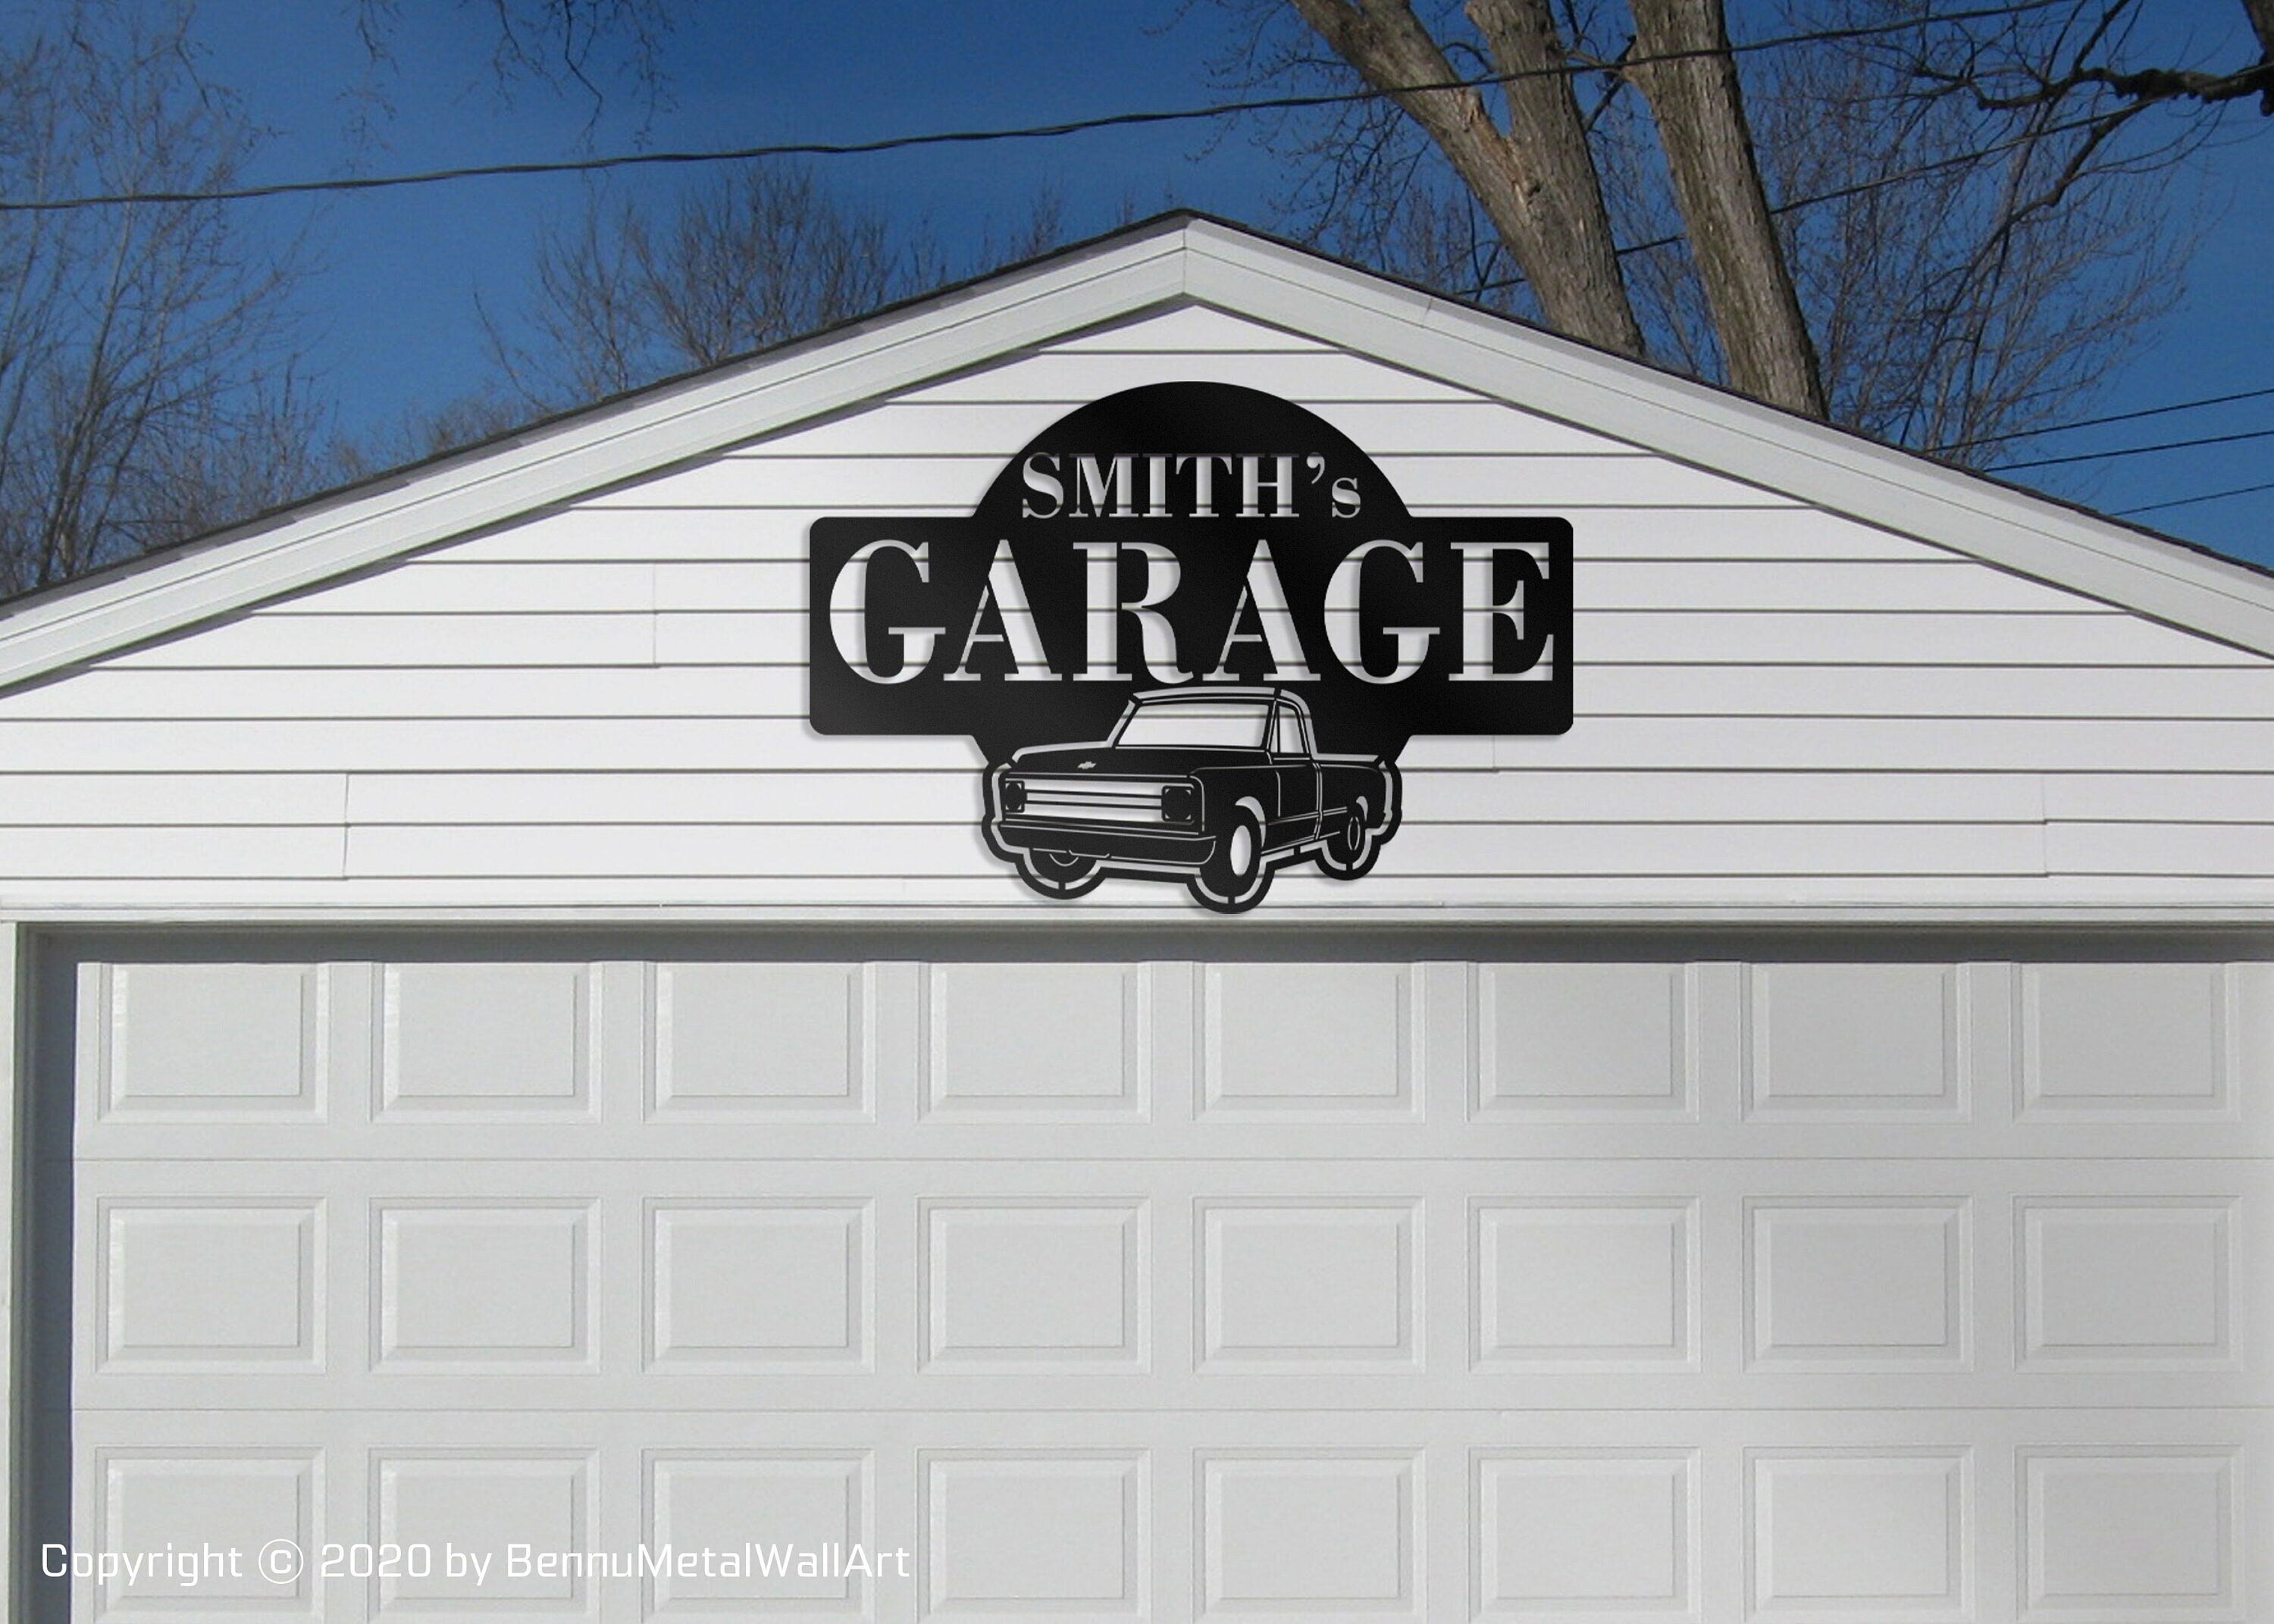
point(1197, 261)
point(1729, 435)
point(989, 322)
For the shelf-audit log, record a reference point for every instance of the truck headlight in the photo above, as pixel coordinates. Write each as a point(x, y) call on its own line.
point(1180, 803)
point(1014, 797)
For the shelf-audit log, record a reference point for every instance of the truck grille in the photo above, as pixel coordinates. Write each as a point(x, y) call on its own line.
point(1090, 801)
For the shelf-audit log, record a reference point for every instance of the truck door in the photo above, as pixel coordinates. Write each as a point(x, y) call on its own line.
point(1296, 767)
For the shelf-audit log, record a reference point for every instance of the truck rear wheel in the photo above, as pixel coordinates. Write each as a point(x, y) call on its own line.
point(1235, 876)
point(1349, 851)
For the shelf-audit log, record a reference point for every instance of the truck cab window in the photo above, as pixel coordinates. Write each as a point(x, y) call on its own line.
point(1287, 732)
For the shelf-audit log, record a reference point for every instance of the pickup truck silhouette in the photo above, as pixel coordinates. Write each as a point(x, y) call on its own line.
point(1216, 787)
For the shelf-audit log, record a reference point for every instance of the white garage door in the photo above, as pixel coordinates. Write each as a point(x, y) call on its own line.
point(1360, 1291)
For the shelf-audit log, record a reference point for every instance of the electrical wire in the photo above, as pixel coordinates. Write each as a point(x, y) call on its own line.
point(2169, 444)
point(2087, 422)
point(1223, 109)
point(2189, 501)
point(1858, 189)
point(944, 138)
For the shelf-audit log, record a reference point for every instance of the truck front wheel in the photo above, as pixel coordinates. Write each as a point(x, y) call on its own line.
point(1061, 875)
point(1235, 876)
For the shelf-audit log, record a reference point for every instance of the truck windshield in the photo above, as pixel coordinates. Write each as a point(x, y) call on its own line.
point(1229, 725)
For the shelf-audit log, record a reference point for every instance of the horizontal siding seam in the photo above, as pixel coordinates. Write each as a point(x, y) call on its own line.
point(687, 599)
point(1631, 717)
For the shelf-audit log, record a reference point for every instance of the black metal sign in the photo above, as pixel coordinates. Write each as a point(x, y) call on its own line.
point(1191, 626)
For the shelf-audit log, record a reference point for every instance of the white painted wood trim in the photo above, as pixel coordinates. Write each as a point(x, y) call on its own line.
point(1173, 261)
point(1850, 916)
point(15, 1079)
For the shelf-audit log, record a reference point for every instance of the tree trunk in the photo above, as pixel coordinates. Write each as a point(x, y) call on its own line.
point(1536, 183)
point(1717, 184)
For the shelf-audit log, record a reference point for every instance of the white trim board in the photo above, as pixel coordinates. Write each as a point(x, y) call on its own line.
point(16, 992)
point(1179, 260)
point(2111, 919)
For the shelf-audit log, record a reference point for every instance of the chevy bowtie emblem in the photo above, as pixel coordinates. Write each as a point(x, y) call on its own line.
point(1084, 766)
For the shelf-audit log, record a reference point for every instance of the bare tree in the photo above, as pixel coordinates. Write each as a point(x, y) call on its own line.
point(1894, 225)
point(627, 292)
point(148, 385)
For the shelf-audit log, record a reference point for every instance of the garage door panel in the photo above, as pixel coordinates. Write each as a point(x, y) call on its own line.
point(732, 1042)
point(487, 1039)
point(482, 1286)
point(1324, 1042)
point(2135, 1042)
point(2140, 1283)
point(2121, 1531)
point(1038, 1043)
point(346, 1060)
point(1213, 1285)
point(186, 1500)
point(1576, 1285)
point(1009, 1533)
point(817, 1257)
point(481, 1500)
point(1864, 1284)
point(1376, 1287)
point(216, 1284)
point(239, 1043)
point(1845, 1534)
point(713, 1498)
point(1595, 1042)
point(2102, 1515)
point(1037, 1285)
point(1863, 1043)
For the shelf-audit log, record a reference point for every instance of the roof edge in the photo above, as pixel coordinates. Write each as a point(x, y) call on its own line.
point(593, 449)
point(1176, 258)
point(1723, 432)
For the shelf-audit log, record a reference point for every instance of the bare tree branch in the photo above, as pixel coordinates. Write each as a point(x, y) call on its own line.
point(587, 46)
point(2015, 67)
point(626, 294)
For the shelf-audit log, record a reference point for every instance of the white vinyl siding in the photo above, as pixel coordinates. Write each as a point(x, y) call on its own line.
point(606, 703)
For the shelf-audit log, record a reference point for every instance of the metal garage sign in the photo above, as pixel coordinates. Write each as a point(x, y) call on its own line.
point(1191, 626)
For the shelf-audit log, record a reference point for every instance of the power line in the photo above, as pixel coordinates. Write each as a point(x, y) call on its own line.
point(2087, 422)
point(2169, 444)
point(1856, 189)
point(944, 138)
point(2188, 502)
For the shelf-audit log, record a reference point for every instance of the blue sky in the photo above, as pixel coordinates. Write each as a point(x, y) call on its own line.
point(392, 310)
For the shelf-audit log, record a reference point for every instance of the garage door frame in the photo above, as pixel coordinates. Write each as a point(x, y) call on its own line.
point(17, 966)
